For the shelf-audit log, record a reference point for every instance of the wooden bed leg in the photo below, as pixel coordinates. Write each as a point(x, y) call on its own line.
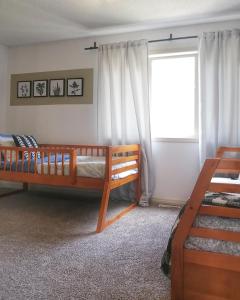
point(25, 187)
point(103, 207)
point(138, 183)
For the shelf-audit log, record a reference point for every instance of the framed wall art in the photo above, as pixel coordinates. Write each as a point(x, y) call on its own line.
point(40, 88)
point(24, 89)
point(74, 87)
point(56, 87)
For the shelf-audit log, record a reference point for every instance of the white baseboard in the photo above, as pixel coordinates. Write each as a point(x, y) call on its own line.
point(168, 202)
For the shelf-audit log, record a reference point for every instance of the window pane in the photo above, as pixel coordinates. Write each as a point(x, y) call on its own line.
point(173, 97)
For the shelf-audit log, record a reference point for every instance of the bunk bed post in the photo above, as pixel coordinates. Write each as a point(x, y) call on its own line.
point(184, 227)
point(103, 207)
point(73, 168)
point(106, 190)
point(220, 152)
point(25, 186)
point(138, 181)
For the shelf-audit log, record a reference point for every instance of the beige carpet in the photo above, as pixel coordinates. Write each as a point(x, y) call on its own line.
point(49, 250)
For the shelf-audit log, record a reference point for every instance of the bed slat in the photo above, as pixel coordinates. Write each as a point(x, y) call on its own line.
point(222, 235)
point(42, 161)
point(124, 159)
point(55, 163)
point(224, 187)
point(62, 171)
point(49, 167)
point(17, 157)
point(219, 211)
point(211, 259)
point(124, 169)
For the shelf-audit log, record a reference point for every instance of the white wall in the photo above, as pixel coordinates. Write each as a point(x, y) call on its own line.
point(176, 164)
point(57, 123)
point(3, 87)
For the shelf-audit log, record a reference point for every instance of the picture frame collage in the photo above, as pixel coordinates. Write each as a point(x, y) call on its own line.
point(70, 87)
point(55, 87)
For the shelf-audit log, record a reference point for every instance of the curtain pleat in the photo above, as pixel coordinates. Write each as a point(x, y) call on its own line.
point(219, 91)
point(123, 102)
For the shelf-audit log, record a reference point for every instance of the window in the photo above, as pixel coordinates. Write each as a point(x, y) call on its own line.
point(174, 95)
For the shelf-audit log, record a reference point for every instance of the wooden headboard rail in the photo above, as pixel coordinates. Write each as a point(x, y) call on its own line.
point(222, 150)
point(114, 155)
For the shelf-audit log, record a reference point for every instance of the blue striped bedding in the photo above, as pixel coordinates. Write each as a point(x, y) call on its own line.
point(27, 167)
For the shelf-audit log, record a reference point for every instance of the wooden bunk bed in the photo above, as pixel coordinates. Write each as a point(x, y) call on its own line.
point(57, 165)
point(206, 275)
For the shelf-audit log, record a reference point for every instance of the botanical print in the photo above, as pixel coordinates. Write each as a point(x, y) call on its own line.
point(24, 89)
point(40, 88)
point(75, 87)
point(56, 87)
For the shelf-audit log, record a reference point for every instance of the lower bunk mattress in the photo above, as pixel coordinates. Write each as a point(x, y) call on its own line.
point(221, 223)
point(86, 166)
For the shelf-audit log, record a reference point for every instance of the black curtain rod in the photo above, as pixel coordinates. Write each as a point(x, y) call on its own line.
point(171, 38)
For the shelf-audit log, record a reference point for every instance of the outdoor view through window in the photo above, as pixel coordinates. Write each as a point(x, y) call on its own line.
point(173, 95)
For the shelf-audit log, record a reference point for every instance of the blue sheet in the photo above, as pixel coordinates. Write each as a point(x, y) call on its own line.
point(27, 167)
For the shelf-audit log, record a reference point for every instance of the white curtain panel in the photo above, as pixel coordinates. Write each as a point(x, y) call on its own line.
point(123, 102)
point(219, 57)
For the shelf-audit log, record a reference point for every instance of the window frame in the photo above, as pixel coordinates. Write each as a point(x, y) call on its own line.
point(190, 53)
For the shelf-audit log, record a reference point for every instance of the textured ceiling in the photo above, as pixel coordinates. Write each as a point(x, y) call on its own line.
point(34, 21)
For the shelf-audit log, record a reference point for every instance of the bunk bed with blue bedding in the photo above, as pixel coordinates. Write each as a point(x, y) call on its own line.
point(78, 166)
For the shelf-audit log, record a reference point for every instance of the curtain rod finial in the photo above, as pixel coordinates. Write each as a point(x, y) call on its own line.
point(92, 47)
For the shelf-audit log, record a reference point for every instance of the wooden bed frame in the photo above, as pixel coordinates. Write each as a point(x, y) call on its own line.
point(202, 275)
point(113, 155)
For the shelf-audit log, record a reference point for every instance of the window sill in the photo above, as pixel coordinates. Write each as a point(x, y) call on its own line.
point(176, 140)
